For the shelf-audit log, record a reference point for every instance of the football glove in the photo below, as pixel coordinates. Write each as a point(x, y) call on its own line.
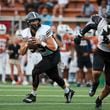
point(106, 40)
point(31, 45)
point(77, 39)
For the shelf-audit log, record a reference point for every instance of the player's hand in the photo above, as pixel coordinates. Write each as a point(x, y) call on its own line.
point(34, 41)
point(77, 40)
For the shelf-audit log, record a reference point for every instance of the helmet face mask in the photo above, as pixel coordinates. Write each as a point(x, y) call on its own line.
point(108, 19)
point(33, 20)
point(34, 25)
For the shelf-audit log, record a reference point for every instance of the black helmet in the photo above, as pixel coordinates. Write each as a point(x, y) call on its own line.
point(32, 16)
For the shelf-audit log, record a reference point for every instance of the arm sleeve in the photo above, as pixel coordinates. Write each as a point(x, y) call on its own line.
point(88, 27)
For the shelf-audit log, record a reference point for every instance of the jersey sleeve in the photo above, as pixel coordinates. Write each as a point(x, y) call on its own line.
point(44, 33)
point(93, 23)
point(48, 32)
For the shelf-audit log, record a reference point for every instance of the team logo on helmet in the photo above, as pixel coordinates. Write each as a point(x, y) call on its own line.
point(3, 29)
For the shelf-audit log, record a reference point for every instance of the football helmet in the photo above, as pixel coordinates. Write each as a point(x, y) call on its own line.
point(62, 29)
point(32, 17)
point(3, 29)
point(107, 15)
point(18, 33)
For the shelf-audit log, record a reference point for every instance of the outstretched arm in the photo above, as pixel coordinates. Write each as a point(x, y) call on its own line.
point(88, 27)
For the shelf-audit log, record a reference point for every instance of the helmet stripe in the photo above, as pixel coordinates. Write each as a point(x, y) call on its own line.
point(34, 14)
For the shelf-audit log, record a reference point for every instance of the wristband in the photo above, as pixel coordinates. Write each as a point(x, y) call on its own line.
point(43, 44)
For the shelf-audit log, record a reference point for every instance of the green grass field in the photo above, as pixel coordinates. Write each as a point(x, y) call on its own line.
point(49, 98)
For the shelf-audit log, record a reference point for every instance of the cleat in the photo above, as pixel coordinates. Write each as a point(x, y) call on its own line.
point(30, 98)
point(93, 89)
point(69, 96)
point(98, 103)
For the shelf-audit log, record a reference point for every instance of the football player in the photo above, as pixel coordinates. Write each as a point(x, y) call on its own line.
point(3, 47)
point(40, 39)
point(101, 60)
point(67, 49)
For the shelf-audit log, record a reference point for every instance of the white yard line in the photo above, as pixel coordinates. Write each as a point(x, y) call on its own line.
point(14, 104)
point(40, 89)
point(29, 89)
point(16, 86)
point(45, 95)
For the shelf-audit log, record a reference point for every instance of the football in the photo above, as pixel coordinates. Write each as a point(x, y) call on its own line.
point(31, 45)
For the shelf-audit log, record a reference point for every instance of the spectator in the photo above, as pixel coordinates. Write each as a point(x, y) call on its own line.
point(23, 59)
point(84, 61)
point(103, 8)
point(87, 9)
point(3, 47)
point(61, 4)
point(66, 50)
point(23, 63)
point(43, 2)
point(13, 50)
point(45, 16)
point(9, 3)
point(29, 6)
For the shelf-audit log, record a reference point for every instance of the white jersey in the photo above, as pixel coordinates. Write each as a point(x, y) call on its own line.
point(100, 24)
point(43, 33)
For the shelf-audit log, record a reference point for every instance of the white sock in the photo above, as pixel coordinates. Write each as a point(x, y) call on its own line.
point(66, 90)
point(33, 92)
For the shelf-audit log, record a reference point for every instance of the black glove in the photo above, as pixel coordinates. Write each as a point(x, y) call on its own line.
point(106, 40)
point(77, 40)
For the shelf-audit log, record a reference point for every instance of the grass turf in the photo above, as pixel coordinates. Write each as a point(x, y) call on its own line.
point(48, 98)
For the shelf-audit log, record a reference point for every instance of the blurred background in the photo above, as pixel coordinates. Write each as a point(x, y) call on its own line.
point(66, 17)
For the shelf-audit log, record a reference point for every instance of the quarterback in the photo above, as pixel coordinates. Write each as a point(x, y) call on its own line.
point(39, 38)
